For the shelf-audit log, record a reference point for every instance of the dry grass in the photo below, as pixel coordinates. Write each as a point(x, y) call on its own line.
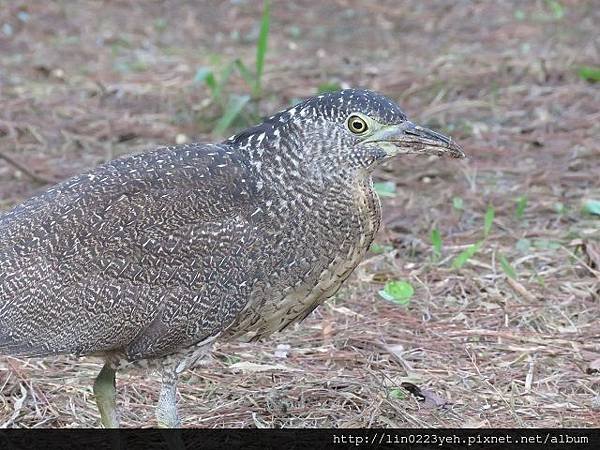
point(83, 84)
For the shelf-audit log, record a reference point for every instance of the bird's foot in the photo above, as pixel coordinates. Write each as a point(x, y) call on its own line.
point(166, 410)
point(106, 397)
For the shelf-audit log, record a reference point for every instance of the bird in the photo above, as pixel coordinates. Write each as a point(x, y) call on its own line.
point(149, 259)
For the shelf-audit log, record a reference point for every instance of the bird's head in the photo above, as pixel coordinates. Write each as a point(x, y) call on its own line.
point(343, 131)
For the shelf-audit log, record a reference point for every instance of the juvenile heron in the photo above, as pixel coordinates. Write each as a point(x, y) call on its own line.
point(148, 259)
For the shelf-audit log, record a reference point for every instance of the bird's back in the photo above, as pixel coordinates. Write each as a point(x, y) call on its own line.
point(118, 258)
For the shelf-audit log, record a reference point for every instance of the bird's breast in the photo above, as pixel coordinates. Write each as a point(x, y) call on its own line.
point(317, 251)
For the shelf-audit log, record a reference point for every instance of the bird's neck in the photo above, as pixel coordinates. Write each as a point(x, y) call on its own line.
point(287, 177)
point(285, 166)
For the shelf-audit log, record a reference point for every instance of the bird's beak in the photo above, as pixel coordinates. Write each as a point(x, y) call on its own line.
point(407, 137)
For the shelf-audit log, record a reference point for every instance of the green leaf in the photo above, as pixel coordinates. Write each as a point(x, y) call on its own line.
point(398, 393)
point(385, 188)
point(328, 87)
point(558, 10)
point(523, 245)
point(398, 292)
point(521, 205)
point(488, 220)
point(295, 101)
point(294, 31)
point(592, 207)
point(378, 248)
point(160, 24)
point(436, 241)
point(205, 76)
point(559, 207)
point(224, 76)
point(138, 66)
point(458, 203)
point(589, 74)
point(261, 46)
point(546, 244)
point(507, 268)
point(234, 108)
point(519, 14)
point(232, 359)
point(466, 254)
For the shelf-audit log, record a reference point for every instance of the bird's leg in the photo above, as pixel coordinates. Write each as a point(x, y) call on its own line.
point(106, 396)
point(166, 411)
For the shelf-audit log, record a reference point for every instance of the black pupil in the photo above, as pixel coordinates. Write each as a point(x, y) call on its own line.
point(358, 125)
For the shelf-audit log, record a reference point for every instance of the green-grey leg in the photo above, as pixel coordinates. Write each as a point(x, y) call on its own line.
point(106, 397)
point(166, 411)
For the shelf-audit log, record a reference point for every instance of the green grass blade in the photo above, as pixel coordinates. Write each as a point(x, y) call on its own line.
point(261, 46)
point(328, 86)
point(488, 220)
point(436, 242)
point(466, 254)
point(246, 74)
point(223, 79)
point(458, 203)
point(234, 107)
point(206, 76)
point(385, 188)
point(508, 269)
point(521, 205)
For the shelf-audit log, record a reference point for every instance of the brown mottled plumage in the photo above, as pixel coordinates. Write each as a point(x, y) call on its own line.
point(160, 253)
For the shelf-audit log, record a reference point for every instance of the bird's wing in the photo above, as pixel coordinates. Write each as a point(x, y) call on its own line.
point(137, 254)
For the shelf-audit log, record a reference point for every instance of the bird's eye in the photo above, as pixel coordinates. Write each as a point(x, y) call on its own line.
point(357, 124)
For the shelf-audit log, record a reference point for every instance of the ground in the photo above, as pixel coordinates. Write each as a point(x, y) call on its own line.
point(511, 338)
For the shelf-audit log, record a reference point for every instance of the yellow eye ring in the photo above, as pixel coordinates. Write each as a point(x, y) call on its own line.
point(357, 124)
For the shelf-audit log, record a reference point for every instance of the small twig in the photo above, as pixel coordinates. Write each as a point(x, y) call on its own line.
point(520, 289)
point(541, 339)
point(529, 376)
point(34, 177)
